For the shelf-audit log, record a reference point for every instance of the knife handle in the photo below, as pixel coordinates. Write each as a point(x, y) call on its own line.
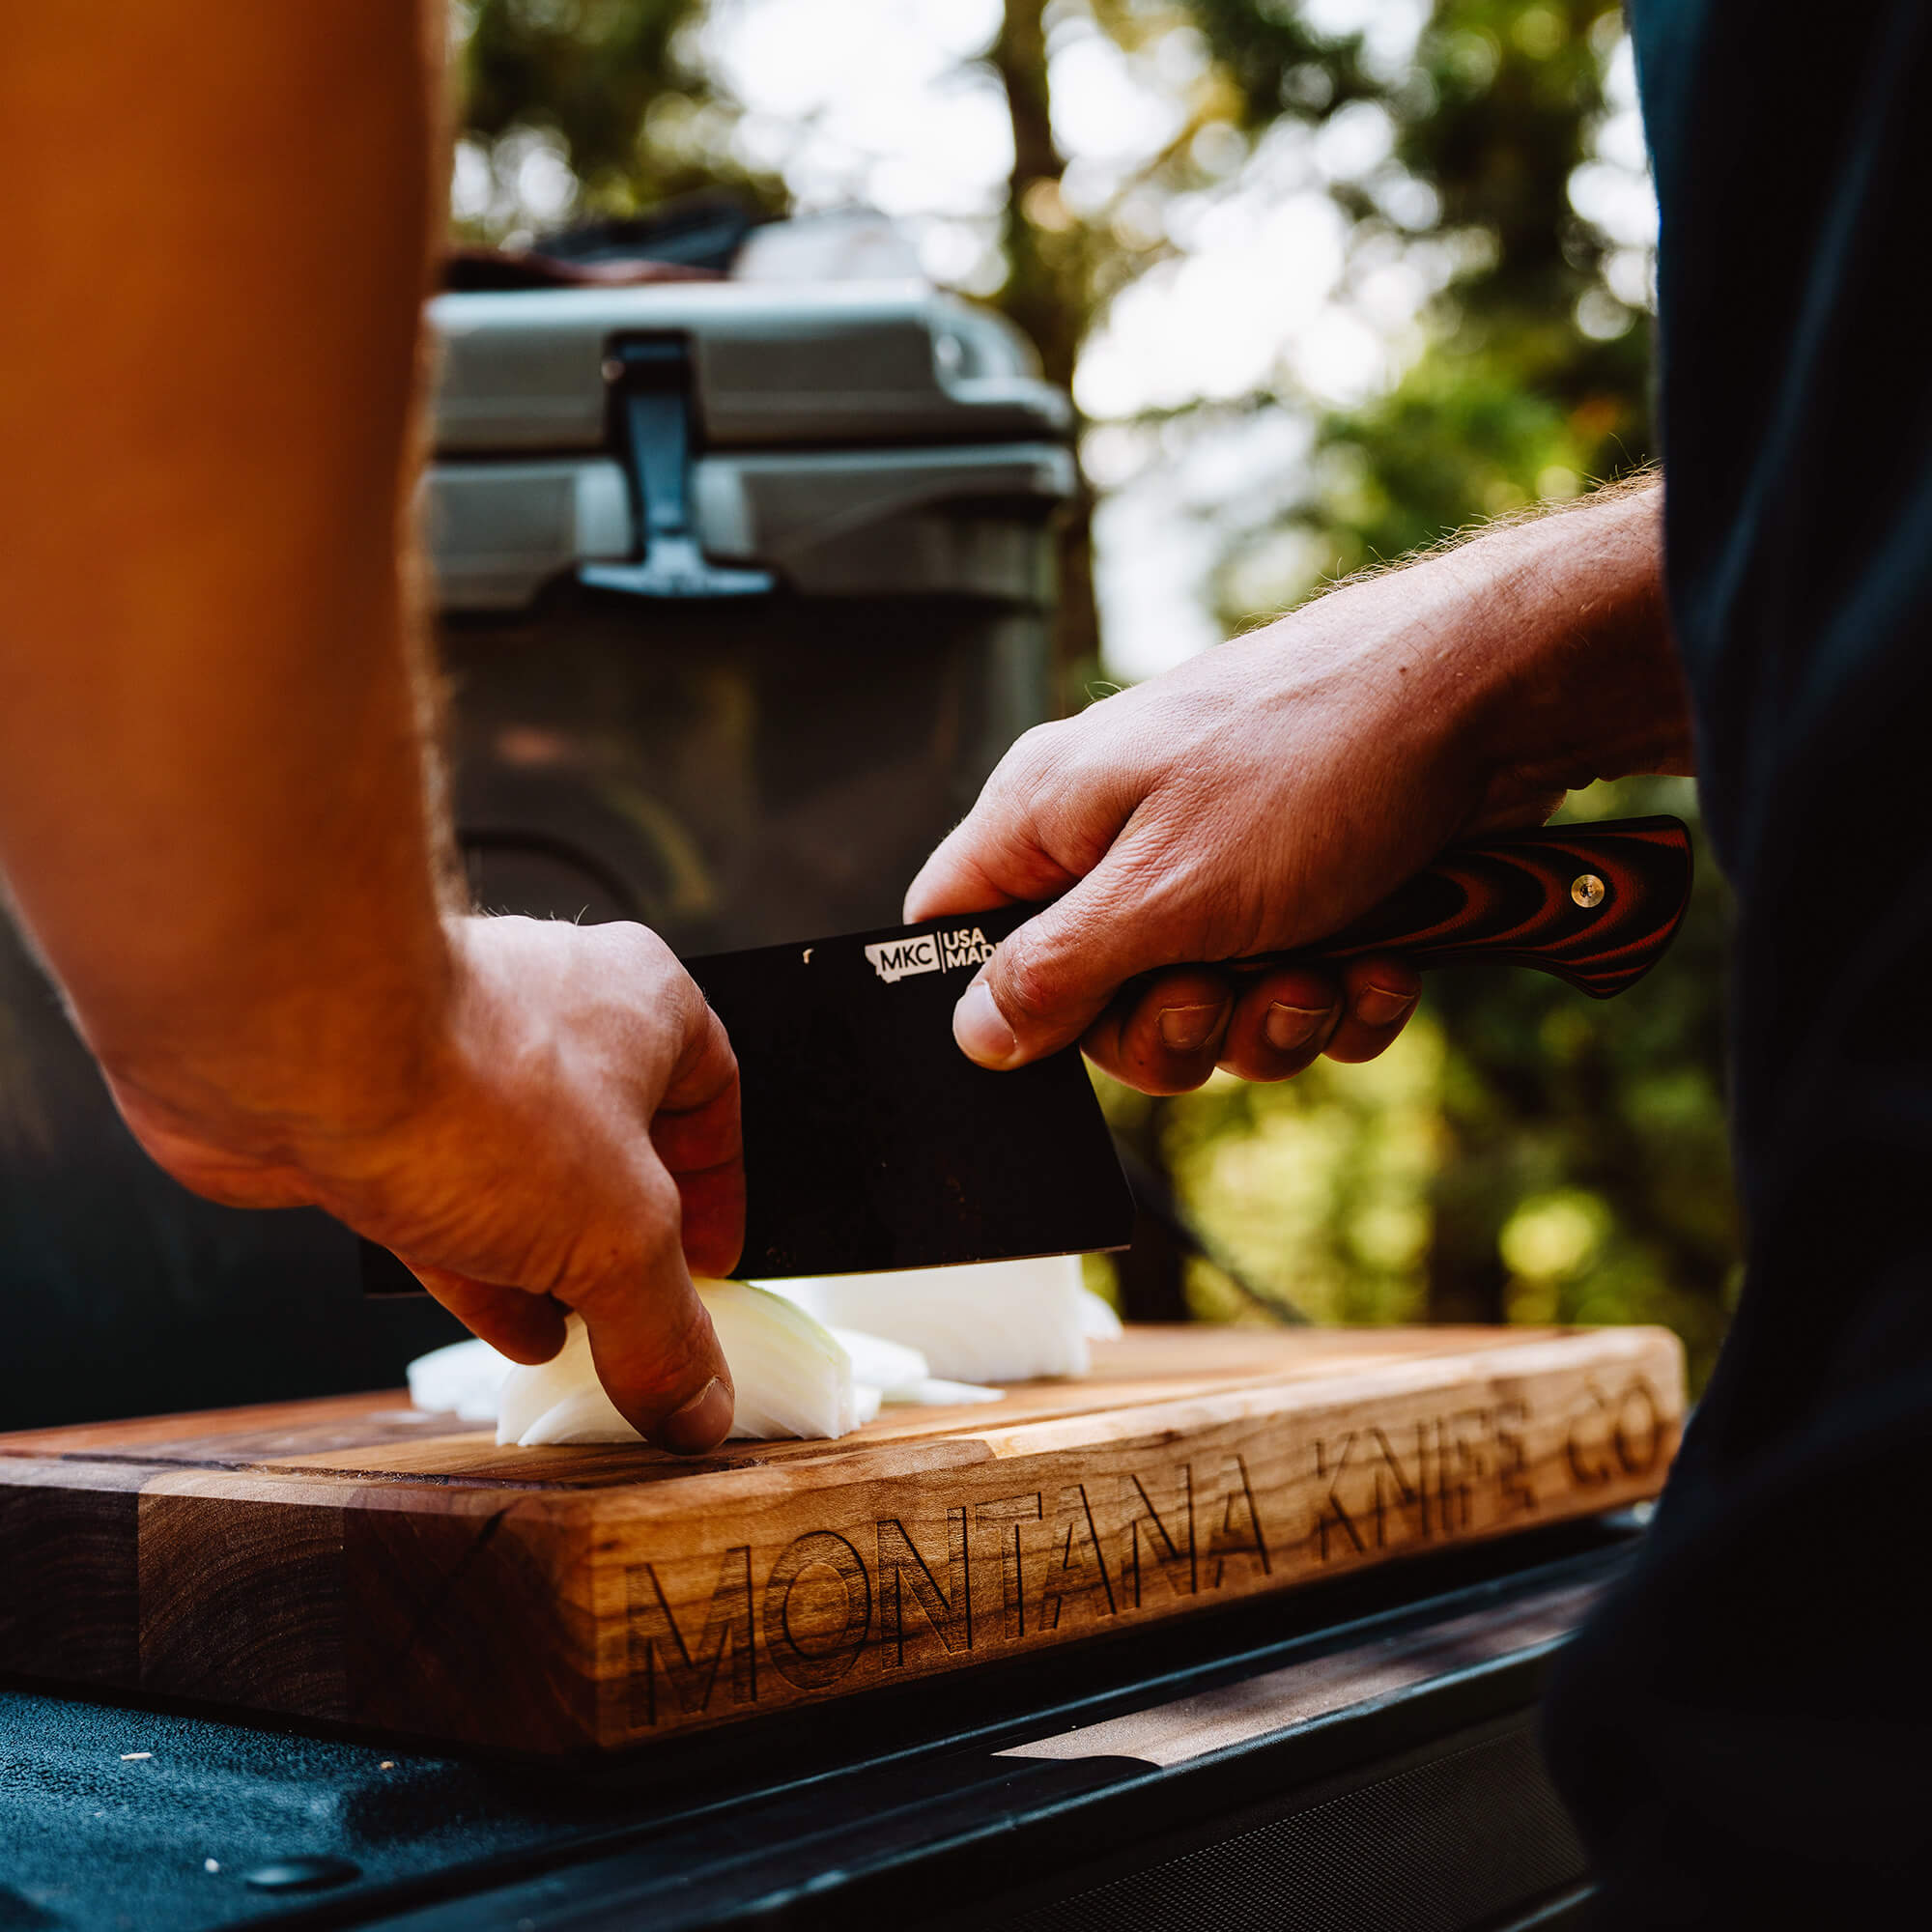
point(1594, 904)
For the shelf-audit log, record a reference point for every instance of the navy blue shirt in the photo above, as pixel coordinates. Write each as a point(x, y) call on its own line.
point(1747, 1727)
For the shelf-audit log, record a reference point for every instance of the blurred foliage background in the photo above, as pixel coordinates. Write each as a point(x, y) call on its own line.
point(1524, 1154)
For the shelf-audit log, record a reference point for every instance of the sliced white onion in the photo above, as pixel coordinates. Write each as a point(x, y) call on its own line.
point(933, 1392)
point(1098, 1320)
point(793, 1375)
point(583, 1416)
point(989, 1321)
point(887, 1366)
point(462, 1380)
point(792, 1378)
point(530, 1394)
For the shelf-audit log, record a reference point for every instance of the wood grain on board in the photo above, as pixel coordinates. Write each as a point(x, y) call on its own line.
point(352, 1560)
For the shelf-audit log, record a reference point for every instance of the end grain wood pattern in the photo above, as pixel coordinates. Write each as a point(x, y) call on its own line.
point(355, 1560)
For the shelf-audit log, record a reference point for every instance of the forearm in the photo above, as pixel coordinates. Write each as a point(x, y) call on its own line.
point(214, 812)
point(1568, 644)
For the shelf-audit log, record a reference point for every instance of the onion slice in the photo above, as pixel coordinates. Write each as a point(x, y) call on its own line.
point(791, 1378)
point(880, 1364)
point(463, 1380)
point(989, 1322)
point(935, 1393)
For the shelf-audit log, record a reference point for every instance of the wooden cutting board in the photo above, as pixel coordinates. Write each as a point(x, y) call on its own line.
point(349, 1558)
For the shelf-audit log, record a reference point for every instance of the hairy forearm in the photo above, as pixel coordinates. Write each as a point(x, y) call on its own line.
point(1578, 667)
point(1516, 663)
point(214, 814)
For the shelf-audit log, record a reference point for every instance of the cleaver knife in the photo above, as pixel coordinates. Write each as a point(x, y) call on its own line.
point(872, 1143)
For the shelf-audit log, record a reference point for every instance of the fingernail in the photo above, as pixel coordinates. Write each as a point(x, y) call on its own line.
point(1188, 1029)
point(980, 1028)
point(1379, 1008)
point(701, 1424)
point(1289, 1026)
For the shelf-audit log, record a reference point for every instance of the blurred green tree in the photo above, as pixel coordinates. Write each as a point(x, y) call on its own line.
point(1533, 376)
point(607, 90)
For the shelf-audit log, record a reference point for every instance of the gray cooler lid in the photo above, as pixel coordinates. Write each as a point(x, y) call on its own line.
point(818, 433)
point(773, 365)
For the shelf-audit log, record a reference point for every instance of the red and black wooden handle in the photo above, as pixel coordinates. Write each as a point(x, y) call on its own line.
point(1594, 904)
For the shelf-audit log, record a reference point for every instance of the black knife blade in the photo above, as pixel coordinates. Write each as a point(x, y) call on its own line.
point(871, 1142)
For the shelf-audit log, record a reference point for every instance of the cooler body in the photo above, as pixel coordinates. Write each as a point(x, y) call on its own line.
point(742, 592)
point(733, 774)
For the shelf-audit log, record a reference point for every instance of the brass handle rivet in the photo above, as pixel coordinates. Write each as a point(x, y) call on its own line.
point(1589, 891)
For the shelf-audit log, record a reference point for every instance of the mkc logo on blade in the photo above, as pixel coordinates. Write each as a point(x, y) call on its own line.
point(895, 959)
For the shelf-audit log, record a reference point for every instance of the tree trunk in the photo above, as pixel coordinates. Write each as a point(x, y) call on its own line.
point(1033, 295)
point(1045, 295)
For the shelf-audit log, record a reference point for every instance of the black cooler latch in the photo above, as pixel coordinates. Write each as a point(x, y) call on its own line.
point(650, 397)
